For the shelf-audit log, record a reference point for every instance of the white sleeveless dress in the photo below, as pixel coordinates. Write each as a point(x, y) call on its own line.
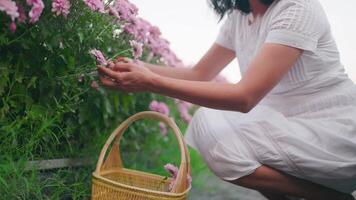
point(306, 125)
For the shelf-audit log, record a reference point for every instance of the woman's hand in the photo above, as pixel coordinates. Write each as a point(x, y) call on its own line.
point(127, 76)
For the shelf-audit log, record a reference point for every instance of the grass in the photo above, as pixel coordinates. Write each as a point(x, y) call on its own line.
point(149, 153)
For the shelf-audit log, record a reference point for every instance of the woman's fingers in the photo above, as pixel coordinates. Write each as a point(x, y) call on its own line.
point(110, 73)
point(123, 59)
point(122, 67)
point(111, 64)
point(108, 83)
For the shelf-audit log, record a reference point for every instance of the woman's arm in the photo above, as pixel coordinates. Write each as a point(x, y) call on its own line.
point(264, 72)
point(206, 69)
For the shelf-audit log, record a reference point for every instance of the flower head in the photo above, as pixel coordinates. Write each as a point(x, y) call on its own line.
point(22, 15)
point(173, 170)
point(160, 107)
point(94, 85)
point(99, 57)
point(95, 5)
point(123, 10)
point(12, 27)
point(137, 49)
point(183, 108)
point(10, 8)
point(61, 7)
point(36, 10)
point(163, 128)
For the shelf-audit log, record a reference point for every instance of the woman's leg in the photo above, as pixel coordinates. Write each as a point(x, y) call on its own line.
point(279, 184)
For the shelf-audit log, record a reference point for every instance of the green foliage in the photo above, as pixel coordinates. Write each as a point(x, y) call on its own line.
point(46, 113)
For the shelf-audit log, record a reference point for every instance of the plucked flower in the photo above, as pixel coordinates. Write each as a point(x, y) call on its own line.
point(95, 5)
point(61, 7)
point(137, 49)
point(100, 59)
point(173, 170)
point(36, 10)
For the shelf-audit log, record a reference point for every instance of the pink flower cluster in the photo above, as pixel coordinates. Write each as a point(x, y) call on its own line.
point(95, 5)
point(10, 8)
point(123, 10)
point(61, 7)
point(22, 17)
point(143, 31)
point(36, 10)
point(183, 108)
point(150, 35)
point(173, 170)
point(160, 107)
point(16, 11)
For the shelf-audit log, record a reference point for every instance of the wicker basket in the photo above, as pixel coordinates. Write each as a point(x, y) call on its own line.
point(111, 181)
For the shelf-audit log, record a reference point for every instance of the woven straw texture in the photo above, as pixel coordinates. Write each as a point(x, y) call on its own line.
point(111, 181)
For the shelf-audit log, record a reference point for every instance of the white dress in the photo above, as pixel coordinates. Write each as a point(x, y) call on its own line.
point(306, 125)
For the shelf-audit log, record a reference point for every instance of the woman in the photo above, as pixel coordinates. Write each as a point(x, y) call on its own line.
point(288, 127)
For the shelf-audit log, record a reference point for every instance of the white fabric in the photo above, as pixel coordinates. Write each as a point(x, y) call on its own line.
point(306, 125)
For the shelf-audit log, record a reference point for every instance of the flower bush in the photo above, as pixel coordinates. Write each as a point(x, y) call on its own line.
point(51, 105)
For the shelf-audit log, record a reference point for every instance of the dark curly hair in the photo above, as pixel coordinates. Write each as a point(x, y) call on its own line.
point(221, 7)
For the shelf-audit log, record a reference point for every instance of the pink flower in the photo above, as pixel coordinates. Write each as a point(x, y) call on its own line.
point(94, 85)
point(22, 15)
point(163, 128)
point(123, 10)
point(95, 5)
point(143, 28)
point(132, 27)
point(137, 49)
point(160, 107)
point(36, 10)
point(100, 59)
point(173, 170)
point(154, 32)
point(10, 8)
point(183, 108)
point(138, 28)
point(12, 27)
point(61, 7)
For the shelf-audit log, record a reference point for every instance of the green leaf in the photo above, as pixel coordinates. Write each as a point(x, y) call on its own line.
point(81, 37)
point(32, 82)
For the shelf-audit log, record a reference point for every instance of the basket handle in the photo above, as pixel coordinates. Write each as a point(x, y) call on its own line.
point(114, 159)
